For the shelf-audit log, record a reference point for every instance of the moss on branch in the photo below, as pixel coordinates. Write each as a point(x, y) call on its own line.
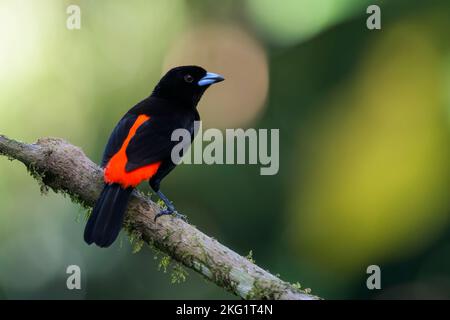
point(64, 168)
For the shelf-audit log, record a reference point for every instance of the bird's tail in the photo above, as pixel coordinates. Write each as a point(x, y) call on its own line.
point(106, 219)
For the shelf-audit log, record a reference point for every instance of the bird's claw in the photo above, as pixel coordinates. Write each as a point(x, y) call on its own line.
point(171, 212)
point(180, 216)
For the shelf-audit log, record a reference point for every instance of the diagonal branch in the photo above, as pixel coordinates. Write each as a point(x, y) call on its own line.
point(65, 168)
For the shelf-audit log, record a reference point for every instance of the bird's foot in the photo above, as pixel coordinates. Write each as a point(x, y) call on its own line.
point(171, 212)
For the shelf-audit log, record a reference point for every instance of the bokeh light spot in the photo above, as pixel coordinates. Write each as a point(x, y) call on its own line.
point(294, 21)
point(232, 52)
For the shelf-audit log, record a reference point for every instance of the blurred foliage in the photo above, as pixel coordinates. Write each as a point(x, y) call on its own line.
point(364, 121)
point(381, 158)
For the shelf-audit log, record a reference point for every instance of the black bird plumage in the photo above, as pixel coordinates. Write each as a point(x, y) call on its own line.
point(141, 141)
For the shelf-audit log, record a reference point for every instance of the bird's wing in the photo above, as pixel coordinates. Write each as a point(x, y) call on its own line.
point(117, 137)
point(151, 142)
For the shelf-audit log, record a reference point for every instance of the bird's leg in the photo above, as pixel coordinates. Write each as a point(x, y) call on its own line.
point(170, 208)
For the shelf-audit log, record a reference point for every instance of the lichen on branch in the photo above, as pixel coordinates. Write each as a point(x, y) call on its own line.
point(64, 168)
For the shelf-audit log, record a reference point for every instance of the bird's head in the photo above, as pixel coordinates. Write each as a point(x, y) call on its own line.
point(185, 84)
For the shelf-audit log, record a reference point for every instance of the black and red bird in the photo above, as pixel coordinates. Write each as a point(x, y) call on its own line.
point(140, 147)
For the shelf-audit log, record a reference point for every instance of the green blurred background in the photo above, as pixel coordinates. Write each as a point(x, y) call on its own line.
point(364, 119)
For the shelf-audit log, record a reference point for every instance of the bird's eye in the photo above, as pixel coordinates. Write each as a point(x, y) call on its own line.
point(188, 78)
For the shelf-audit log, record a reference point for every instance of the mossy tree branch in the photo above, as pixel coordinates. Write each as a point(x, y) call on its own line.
point(65, 168)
